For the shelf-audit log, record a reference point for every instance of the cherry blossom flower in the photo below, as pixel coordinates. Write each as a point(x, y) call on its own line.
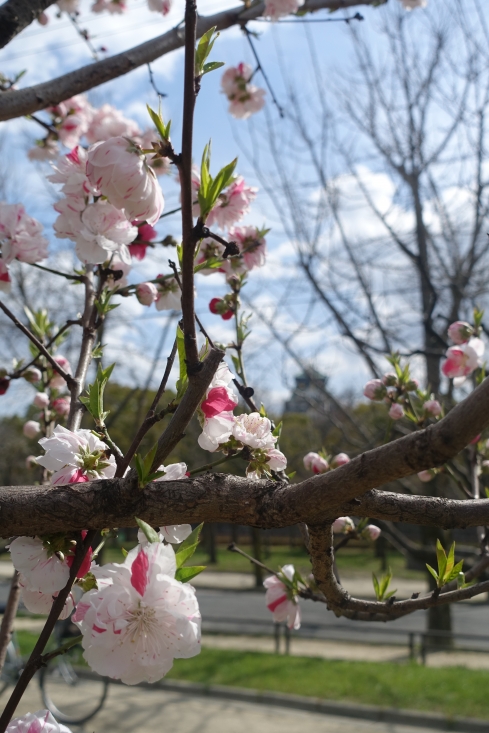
point(375, 390)
point(276, 460)
point(75, 456)
point(389, 380)
point(216, 431)
point(276, 9)
point(32, 375)
point(57, 381)
point(70, 170)
point(173, 472)
point(160, 6)
point(119, 169)
point(146, 293)
point(140, 618)
point(20, 235)
point(109, 122)
point(42, 571)
point(110, 6)
point(218, 400)
point(68, 6)
point(173, 534)
point(31, 428)
point(412, 4)
point(209, 249)
point(118, 271)
point(461, 360)
point(5, 281)
point(68, 225)
point(169, 295)
point(42, 19)
point(460, 332)
point(233, 203)
point(315, 463)
point(371, 532)
point(396, 411)
point(281, 601)
point(40, 722)
point(41, 400)
point(342, 525)
point(432, 407)
point(45, 149)
point(38, 602)
point(254, 430)
point(75, 115)
point(245, 98)
point(104, 231)
point(340, 460)
point(252, 247)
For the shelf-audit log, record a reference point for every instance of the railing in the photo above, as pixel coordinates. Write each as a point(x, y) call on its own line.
point(419, 643)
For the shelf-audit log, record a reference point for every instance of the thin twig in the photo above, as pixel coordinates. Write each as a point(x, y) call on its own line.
point(168, 213)
point(18, 373)
point(209, 466)
point(260, 68)
point(197, 319)
point(153, 83)
point(75, 278)
point(9, 616)
point(67, 377)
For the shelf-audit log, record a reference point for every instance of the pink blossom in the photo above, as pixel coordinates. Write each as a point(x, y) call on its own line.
point(276, 460)
point(104, 231)
point(20, 235)
point(45, 149)
point(426, 476)
point(412, 4)
point(119, 169)
point(5, 281)
point(315, 463)
point(396, 411)
point(276, 9)
point(68, 225)
point(375, 390)
point(254, 431)
point(209, 249)
point(245, 98)
point(252, 248)
point(108, 122)
point(31, 429)
point(68, 6)
point(460, 332)
point(119, 270)
point(371, 532)
point(146, 293)
point(169, 295)
point(57, 381)
point(220, 307)
point(218, 400)
point(68, 452)
point(109, 6)
point(42, 19)
point(40, 722)
point(139, 618)
point(280, 600)
point(146, 233)
point(86, 563)
point(216, 431)
point(343, 524)
point(4, 385)
point(61, 406)
point(38, 602)
point(74, 115)
point(461, 361)
point(30, 462)
point(340, 460)
point(41, 400)
point(160, 6)
point(233, 203)
point(432, 407)
point(70, 170)
point(42, 571)
point(173, 534)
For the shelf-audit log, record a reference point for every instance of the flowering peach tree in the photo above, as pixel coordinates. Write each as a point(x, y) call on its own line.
point(137, 616)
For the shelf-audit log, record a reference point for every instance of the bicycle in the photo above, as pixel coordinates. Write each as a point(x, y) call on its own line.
point(69, 689)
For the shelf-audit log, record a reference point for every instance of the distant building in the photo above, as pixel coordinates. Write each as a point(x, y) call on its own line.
point(308, 396)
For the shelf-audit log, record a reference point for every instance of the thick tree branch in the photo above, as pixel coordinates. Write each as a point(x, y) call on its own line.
point(15, 15)
point(26, 101)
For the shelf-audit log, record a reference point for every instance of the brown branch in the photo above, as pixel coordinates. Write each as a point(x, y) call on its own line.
point(15, 15)
point(88, 322)
point(25, 101)
point(42, 349)
point(9, 616)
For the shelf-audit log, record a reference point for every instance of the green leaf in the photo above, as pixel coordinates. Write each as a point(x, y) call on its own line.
point(211, 66)
point(441, 558)
point(204, 47)
point(150, 534)
point(186, 574)
point(188, 546)
point(213, 263)
point(390, 594)
point(278, 431)
point(88, 583)
point(164, 130)
point(376, 586)
point(450, 559)
point(182, 380)
point(124, 552)
point(433, 572)
point(95, 399)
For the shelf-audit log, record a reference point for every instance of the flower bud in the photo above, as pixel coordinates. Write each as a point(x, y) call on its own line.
point(411, 385)
point(315, 463)
point(41, 400)
point(221, 308)
point(32, 375)
point(432, 407)
point(389, 379)
point(61, 406)
point(146, 293)
point(371, 532)
point(426, 476)
point(343, 524)
point(375, 390)
point(396, 411)
point(31, 429)
point(460, 332)
point(4, 384)
point(340, 460)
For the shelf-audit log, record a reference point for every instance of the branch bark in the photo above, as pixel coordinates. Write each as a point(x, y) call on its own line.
point(26, 101)
point(15, 15)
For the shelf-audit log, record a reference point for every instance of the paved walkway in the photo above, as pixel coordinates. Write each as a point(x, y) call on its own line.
point(137, 710)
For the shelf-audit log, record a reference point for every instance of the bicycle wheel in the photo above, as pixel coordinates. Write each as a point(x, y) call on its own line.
point(70, 690)
point(11, 668)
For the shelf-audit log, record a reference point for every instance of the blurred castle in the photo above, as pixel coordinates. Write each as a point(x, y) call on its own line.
point(309, 396)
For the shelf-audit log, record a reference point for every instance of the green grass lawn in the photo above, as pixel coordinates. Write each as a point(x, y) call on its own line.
point(454, 691)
